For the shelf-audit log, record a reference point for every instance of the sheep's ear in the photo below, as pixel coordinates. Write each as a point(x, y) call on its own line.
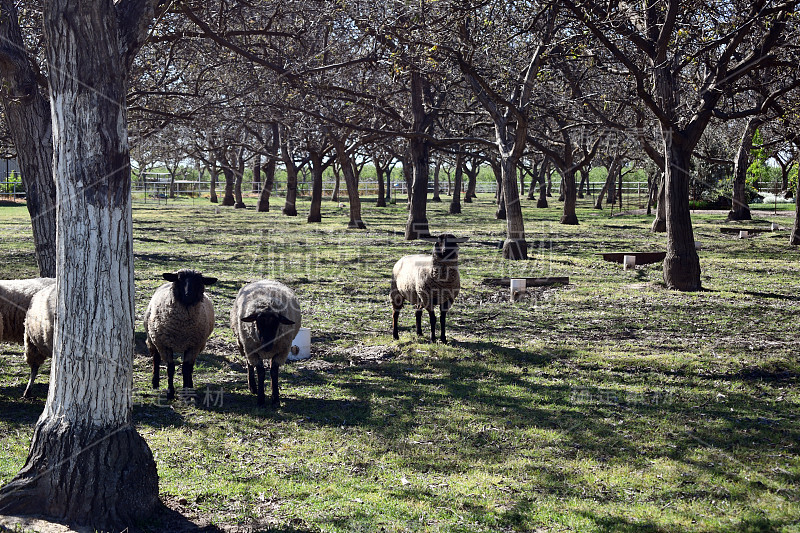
point(250, 318)
point(170, 276)
point(284, 320)
point(209, 281)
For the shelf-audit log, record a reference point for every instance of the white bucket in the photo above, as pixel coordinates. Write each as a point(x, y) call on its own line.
point(301, 345)
point(517, 289)
point(743, 234)
point(628, 261)
point(775, 226)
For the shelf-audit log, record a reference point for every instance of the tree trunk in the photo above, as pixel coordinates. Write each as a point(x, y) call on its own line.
point(455, 202)
point(381, 202)
point(549, 184)
point(237, 184)
point(256, 188)
point(569, 217)
point(472, 181)
point(230, 180)
point(266, 189)
point(290, 207)
point(499, 196)
point(739, 208)
point(583, 183)
point(660, 222)
point(213, 173)
point(336, 185)
point(681, 265)
point(269, 171)
point(794, 239)
point(417, 223)
point(27, 114)
point(436, 169)
point(543, 173)
point(515, 245)
point(389, 183)
point(315, 212)
point(87, 464)
point(350, 181)
point(608, 186)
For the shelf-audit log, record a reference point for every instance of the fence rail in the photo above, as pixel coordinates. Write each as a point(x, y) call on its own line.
point(161, 190)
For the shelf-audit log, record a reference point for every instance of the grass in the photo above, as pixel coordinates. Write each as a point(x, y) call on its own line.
point(609, 404)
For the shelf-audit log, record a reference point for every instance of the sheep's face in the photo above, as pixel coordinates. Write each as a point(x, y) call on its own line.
point(188, 286)
point(446, 248)
point(267, 324)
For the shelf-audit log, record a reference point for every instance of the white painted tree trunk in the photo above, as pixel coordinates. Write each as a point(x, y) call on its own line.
point(87, 464)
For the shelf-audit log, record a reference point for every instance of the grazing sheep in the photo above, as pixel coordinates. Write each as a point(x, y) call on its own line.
point(265, 317)
point(179, 318)
point(15, 297)
point(427, 281)
point(39, 327)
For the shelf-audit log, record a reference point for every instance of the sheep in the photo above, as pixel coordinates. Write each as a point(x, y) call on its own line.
point(426, 281)
point(179, 318)
point(15, 297)
point(265, 318)
point(39, 327)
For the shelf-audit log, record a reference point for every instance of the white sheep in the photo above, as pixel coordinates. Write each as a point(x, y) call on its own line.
point(15, 298)
point(39, 328)
point(265, 318)
point(179, 318)
point(427, 281)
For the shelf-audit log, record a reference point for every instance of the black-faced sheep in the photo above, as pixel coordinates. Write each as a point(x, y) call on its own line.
point(266, 318)
point(179, 318)
point(427, 281)
point(39, 327)
point(15, 298)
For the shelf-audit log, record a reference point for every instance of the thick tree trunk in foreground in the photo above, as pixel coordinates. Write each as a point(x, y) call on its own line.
point(87, 464)
point(28, 117)
point(681, 265)
point(739, 208)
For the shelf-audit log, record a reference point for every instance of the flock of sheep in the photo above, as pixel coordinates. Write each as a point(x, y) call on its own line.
point(265, 316)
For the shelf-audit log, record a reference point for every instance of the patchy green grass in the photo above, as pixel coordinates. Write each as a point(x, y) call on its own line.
point(609, 404)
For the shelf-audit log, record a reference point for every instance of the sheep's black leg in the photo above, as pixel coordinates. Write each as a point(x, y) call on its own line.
point(170, 378)
point(442, 313)
point(29, 389)
point(419, 322)
point(273, 374)
point(251, 379)
point(187, 368)
point(156, 365)
point(261, 376)
point(395, 317)
point(433, 325)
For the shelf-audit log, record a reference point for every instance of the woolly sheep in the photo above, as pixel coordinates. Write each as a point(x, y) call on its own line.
point(265, 317)
point(39, 327)
point(179, 318)
point(15, 298)
point(427, 281)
